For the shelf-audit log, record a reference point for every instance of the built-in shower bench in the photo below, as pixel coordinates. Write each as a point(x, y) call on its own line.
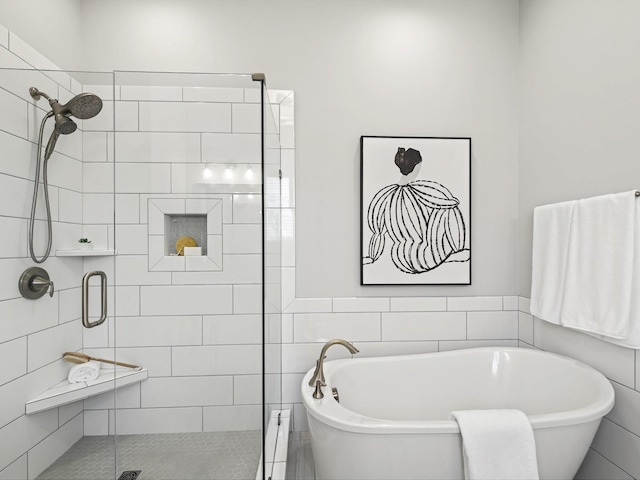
point(66, 392)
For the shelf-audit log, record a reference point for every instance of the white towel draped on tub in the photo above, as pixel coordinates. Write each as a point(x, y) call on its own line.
point(586, 266)
point(84, 372)
point(497, 445)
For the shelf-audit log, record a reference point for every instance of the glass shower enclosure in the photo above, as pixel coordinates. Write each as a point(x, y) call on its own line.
point(176, 184)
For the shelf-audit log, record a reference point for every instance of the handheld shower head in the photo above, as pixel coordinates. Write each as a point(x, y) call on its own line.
point(83, 106)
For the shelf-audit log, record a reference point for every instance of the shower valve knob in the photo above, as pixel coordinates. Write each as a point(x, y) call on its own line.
point(34, 283)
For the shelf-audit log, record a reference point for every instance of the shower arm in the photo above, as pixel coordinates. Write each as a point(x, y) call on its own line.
point(37, 94)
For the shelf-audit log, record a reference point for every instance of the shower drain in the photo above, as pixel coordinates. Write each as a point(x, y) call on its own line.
point(130, 475)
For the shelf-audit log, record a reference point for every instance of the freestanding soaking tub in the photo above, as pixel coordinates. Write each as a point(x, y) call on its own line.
point(393, 419)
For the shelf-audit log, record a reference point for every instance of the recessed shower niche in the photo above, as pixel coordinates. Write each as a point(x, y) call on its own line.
point(173, 219)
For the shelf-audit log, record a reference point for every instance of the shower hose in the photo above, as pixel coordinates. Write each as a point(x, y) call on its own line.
point(34, 202)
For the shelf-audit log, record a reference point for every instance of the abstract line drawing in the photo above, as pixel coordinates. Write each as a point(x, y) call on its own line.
point(419, 221)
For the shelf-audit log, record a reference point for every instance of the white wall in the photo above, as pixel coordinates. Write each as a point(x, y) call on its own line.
point(580, 105)
point(50, 27)
point(427, 68)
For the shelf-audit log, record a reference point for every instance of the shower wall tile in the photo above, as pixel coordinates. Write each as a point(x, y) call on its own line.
point(217, 360)
point(185, 117)
point(143, 178)
point(15, 120)
point(21, 317)
point(69, 411)
point(48, 345)
point(156, 359)
point(213, 94)
point(186, 300)
point(232, 329)
point(97, 208)
point(94, 147)
point(127, 116)
point(51, 448)
point(247, 390)
point(134, 270)
point(12, 188)
point(70, 206)
point(127, 397)
point(230, 148)
point(11, 355)
point(132, 92)
point(242, 239)
point(132, 239)
point(97, 177)
point(127, 208)
point(162, 331)
point(96, 422)
point(247, 298)
point(247, 208)
point(232, 418)
point(16, 470)
point(138, 147)
point(25, 433)
point(247, 118)
point(14, 245)
point(14, 148)
point(187, 391)
point(238, 269)
point(159, 420)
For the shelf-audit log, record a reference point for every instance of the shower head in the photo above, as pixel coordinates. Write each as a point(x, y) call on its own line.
point(82, 106)
point(64, 125)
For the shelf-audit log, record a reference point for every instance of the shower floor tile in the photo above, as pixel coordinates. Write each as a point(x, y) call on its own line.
point(166, 456)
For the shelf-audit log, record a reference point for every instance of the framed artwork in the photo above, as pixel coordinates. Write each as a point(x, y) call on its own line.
point(415, 211)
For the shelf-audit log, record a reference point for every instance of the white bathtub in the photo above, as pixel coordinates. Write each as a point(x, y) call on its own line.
point(394, 417)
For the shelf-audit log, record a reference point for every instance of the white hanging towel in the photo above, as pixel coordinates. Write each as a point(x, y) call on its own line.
point(551, 227)
point(84, 372)
point(497, 445)
point(600, 265)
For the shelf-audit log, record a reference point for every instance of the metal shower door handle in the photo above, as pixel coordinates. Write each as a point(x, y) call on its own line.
point(85, 299)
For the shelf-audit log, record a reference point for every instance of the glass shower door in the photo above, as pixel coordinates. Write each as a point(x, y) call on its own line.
point(189, 274)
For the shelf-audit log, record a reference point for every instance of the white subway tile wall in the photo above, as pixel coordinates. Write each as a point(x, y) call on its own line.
point(34, 334)
point(613, 454)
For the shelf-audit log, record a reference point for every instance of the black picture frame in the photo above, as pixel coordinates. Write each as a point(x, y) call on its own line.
point(415, 210)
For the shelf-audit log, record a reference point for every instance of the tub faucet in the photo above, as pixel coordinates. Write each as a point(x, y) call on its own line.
point(317, 379)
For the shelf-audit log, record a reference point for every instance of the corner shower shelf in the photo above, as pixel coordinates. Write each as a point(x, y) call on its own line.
point(85, 253)
point(66, 392)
